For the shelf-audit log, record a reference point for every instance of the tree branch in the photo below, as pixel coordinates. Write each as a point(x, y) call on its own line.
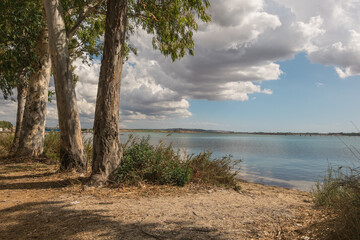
point(87, 10)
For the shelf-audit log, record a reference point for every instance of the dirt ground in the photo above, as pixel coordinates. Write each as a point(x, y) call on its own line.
point(36, 202)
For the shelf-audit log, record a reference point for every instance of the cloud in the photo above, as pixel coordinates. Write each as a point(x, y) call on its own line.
point(8, 109)
point(339, 42)
point(228, 64)
point(234, 55)
point(319, 84)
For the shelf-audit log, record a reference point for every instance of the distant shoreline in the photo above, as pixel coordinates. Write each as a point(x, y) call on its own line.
point(197, 131)
point(232, 132)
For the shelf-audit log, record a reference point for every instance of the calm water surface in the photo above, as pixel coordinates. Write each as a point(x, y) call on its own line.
point(288, 161)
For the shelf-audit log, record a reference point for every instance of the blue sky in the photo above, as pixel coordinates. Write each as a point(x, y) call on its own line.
point(306, 98)
point(260, 65)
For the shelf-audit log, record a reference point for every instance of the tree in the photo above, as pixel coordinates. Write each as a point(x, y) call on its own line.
point(24, 57)
point(172, 23)
point(63, 25)
point(21, 99)
point(5, 124)
point(32, 135)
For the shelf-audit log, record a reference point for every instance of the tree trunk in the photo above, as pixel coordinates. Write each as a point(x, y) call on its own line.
point(32, 135)
point(72, 154)
point(21, 98)
point(107, 151)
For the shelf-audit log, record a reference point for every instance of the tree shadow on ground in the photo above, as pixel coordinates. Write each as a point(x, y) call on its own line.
point(59, 220)
point(39, 175)
point(44, 184)
point(14, 159)
point(38, 185)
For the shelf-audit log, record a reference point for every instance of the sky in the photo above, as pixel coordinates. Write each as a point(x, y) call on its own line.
point(260, 65)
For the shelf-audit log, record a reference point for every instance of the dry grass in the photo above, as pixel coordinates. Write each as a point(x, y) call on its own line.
point(6, 140)
point(339, 194)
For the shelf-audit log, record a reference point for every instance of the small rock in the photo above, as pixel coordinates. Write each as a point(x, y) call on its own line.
point(74, 203)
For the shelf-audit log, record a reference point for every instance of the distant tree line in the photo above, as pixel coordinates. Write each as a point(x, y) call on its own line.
point(5, 124)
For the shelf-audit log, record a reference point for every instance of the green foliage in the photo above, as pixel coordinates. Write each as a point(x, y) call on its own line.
point(52, 145)
point(5, 124)
point(340, 194)
point(171, 22)
point(20, 25)
point(161, 164)
point(154, 164)
point(86, 20)
point(6, 141)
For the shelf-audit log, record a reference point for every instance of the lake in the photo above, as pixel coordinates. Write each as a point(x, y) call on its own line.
point(287, 161)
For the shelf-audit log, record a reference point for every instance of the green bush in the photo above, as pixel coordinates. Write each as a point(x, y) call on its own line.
point(154, 164)
point(340, 194)
point(143, 162)
point(5, 124)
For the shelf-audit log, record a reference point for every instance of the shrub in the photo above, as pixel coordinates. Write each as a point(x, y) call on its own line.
point(161, 164)
point(340, 194)
point(154, 164)
point(52, 145)
point(5, 124)
point(6, 141)
point(221, 171)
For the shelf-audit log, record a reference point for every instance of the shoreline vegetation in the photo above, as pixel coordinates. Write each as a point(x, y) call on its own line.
point(158, 193)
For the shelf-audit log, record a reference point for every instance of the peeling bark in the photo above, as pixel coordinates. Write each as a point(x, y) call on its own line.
point(21, 100)
point(72, 154)
point(32, 134)
point(107, 151)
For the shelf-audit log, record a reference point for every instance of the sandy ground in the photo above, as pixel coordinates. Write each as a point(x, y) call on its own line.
point(38, 203)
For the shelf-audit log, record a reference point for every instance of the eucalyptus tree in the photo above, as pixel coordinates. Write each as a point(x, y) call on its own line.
point(66, 19)
point(172, 24)
point(24, 64)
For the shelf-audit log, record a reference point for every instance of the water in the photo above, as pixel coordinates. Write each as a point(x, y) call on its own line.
point(287, 161)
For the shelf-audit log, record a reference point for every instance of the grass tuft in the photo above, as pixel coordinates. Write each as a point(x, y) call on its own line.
point(6, 140)
point(340, 195)
point(52, 145)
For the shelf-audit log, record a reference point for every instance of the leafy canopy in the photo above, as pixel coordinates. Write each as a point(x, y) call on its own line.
point(20, 25)
point(172, 22)
point(5, 124)
point(86, 20)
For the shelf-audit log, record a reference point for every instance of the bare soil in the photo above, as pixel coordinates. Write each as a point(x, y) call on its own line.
point(36, 202)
